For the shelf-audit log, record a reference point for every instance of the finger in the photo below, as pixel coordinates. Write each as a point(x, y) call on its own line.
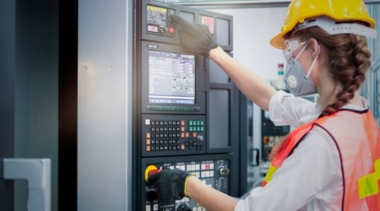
point(182, 22)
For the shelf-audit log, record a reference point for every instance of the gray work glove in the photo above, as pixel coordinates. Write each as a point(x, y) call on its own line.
point(196, 37)
point(169, 184)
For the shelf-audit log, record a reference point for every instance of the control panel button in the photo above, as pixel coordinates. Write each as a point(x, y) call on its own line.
point(171, 30)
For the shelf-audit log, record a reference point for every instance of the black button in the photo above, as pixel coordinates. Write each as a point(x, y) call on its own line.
point(178, 122)
point(161, 142)
point(153, 135)
point(153, 142)
point(161, 148)
point(178, 129)
point(165, 148)
point(178, 135)
point(153, 129)
point(165, 123)
point(153, 148)
point(190, 141)
point(170, 135)
point(170, 123)
point(170, 129)
point(170, 141)
point(190, 147)
point(165, 142)
point(161, 123)
point(186, 144)
point(152, 122)
point(165, 129)
point(165, 135)
point(170, 147)
point(178, 147)
point(161, 129)
point(178, 141)
point(198, 147)
point(161, 135)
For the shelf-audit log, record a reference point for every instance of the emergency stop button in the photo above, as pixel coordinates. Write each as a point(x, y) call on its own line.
point(171, 30)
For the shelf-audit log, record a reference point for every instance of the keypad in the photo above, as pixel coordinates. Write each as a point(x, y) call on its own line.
point(173, 135)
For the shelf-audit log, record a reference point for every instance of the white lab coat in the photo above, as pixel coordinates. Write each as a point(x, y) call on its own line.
point(308, 180)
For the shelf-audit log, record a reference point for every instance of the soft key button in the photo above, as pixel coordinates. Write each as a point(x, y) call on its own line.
point(147, 207)
point(211, 165)
point(155, 207)
point(147, 122)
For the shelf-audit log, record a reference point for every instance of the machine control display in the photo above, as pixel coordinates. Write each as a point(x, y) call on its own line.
point(208, 171)
point(171, 78)
point(173, 135)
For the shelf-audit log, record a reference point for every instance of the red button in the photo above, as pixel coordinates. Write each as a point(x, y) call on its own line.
point(171, 30)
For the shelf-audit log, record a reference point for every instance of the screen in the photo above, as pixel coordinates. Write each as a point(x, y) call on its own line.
point(171, 78)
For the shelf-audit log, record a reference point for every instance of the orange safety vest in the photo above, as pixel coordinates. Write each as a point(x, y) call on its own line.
point(357, 138)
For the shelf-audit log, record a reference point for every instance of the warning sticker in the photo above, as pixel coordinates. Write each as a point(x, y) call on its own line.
point(208, 22)
point(156, 15)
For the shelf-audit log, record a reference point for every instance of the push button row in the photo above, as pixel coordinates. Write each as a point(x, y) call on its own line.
point(153, 142)
point(164, 123)
point(165, 129)
point(171, 108)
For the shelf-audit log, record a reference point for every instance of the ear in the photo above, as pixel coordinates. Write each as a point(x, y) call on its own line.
point(314, 45)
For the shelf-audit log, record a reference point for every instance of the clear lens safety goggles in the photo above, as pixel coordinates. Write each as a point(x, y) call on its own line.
point(290, 45)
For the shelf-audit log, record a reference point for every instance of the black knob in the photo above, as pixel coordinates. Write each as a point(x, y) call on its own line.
point(183, 207)
point(152, 195)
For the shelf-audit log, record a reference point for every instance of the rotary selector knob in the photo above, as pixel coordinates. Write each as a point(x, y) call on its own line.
point(200, 138)
point(163, 29)
point(183, 207)
point(152, 195)
point(224, 171)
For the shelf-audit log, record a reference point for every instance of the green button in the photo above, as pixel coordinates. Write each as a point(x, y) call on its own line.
point(202, 122)
point(198, 128)
point(172, 108)
point(191, 109)
point(160, 108)
point(198, 122)
point(202, 129)
point(164, 108)
point(190, 122)
point(156, 108)
point(191, 129)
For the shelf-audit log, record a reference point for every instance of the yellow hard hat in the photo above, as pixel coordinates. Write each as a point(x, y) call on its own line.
point(339, 10)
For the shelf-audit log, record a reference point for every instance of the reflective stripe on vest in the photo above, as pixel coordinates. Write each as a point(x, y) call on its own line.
point(357, 138)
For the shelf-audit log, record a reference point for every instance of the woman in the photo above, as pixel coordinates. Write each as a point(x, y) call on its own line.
point(332, 160)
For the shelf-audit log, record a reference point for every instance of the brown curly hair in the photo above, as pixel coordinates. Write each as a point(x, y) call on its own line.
point(347, 60)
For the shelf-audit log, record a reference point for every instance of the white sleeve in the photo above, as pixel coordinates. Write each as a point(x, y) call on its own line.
point(311, 172)
point(285, 109)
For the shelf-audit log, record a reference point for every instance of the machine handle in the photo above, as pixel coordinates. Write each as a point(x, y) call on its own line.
point(38, 174)
point(255, 159)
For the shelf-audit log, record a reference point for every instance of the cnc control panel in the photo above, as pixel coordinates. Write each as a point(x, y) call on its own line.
point(173, 135)
point(214, 173)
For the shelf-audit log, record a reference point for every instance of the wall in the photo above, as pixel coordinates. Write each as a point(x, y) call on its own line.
point(36, 89)
point(104, 105)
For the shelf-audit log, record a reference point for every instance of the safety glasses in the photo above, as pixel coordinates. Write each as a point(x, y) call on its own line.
point(290, 45)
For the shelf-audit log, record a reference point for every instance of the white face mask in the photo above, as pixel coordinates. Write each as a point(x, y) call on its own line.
point(296, 80)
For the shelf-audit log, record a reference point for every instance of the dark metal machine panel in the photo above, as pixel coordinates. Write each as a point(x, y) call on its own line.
point(213, 170)
point(154, 23)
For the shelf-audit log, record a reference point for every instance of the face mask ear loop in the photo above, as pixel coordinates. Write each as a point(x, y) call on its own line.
point(304, 47)
point(312, 64)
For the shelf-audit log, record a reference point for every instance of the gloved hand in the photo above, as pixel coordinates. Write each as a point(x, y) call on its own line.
point(196, 37)
point(169, 184)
